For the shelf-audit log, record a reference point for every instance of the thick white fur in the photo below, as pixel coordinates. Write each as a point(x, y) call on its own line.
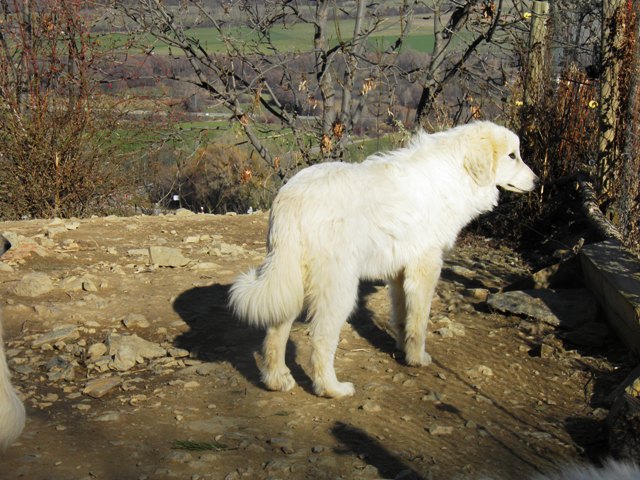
point(12, 415)
point(390, 217)
point(611, 470)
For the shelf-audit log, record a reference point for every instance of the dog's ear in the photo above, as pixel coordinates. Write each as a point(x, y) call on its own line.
point(480, 160)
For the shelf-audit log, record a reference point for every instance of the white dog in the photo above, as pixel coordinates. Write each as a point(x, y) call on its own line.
point(390, 217)
point(12, 415)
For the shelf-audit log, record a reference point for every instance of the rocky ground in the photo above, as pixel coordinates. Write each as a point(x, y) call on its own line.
point(131, 366)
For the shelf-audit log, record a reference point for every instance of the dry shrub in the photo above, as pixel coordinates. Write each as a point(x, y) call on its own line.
point(56, 151)
point(217, 179)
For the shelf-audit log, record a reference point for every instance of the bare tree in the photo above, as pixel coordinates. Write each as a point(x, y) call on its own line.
point(321, 94)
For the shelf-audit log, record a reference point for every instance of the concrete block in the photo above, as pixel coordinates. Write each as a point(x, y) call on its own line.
point(612, 273)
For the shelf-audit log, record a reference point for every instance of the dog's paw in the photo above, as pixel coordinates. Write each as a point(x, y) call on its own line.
point(278, 381)
point(337, 390)
point(422, 359)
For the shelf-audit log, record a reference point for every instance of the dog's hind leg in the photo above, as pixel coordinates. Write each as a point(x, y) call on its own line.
point(274, 372)
point(332, 305)
point(398, 307)
point(419, 286)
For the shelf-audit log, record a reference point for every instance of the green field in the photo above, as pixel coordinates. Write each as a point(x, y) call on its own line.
point(294, 38)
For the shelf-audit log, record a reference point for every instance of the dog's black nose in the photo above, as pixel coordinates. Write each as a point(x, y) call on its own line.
point(4, 245)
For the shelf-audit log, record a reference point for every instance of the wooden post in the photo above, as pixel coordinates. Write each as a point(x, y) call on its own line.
point(613, 34)
point(536, 67)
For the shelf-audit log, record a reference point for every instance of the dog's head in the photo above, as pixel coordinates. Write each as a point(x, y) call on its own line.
point(493, 158)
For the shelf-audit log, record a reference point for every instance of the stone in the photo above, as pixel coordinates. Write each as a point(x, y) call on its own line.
point(480, 294)
point(142, 348)
point(33, 285)
point(611, 273)
point(370, 407)
point(206, 266)
point(439, 430)
point(71, 284)
point(167, 257)
point(565, 308)
point(5, 268)
point(99, 387)
point(107, 417)
point(135, 320)
point(89, 286)
point(138, 252)
point(124, 358)
point(96, 350)
point(480, 371)
point(61, 332)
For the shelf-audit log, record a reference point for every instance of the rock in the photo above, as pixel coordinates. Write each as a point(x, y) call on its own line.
point(438, 430)
point(206, 266)
point(89, 286)
point(33, 285)
point(135, 320)
point(178, 352)
point(124, 359)
point(60, 368)
point(480, 294)
point(370, 407)
point(480, 371)
point(566, 308)
point(167, 257)
point(99, 387)
point(96, 350)
point(143, 349)
point(107, 417)
point(62, 332)
point(138, 252)
point(444, 332)
point(71, 284)
point(283, 444)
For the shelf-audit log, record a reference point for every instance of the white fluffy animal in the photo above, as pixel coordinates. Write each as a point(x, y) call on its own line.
point(611, 470)
point(390, 217)
point(12, 415)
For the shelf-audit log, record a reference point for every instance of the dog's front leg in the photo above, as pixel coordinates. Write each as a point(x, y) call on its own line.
point(419, 284)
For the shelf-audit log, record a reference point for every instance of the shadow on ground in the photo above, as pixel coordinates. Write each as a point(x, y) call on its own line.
point(214, 334)
point(354, 441)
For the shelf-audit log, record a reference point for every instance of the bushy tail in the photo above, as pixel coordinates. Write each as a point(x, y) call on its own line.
point(12, 415)
point(273, 293)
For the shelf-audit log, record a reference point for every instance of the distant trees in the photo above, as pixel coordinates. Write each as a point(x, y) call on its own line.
point(352, 72)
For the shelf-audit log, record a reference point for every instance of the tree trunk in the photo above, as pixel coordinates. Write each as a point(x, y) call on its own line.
point(613, 34)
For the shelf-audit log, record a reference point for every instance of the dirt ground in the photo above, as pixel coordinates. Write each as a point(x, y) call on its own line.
point(491, 405)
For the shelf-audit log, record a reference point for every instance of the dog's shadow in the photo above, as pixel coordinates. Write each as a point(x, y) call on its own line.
point(362, 321)
point(214, 335)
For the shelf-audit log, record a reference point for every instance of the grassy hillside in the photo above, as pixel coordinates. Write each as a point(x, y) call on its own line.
point(294, 38)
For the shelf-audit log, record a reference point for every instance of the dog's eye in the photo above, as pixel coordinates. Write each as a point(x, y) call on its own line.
point(512, 155)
